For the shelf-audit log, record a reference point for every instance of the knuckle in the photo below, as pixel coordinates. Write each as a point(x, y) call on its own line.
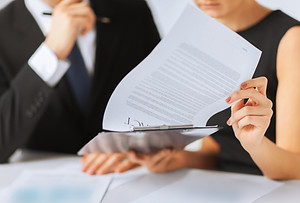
point(236, 94)
point(248, 119)
point(268, 103)
point(252, 91)
point(265, 80)
point(271, 112)
point(247, 110)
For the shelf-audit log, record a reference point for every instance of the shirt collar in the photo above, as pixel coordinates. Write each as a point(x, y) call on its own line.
point(36, 8)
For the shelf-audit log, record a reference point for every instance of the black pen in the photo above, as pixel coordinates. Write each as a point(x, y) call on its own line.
point(101, 19)
point(47, 13)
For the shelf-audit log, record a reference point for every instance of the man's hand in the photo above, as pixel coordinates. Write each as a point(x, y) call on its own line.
point(69, 18)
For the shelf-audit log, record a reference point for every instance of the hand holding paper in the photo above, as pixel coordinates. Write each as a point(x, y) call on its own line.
point(184, 81)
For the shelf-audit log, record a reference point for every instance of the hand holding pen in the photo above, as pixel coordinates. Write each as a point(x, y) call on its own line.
point(68, 18)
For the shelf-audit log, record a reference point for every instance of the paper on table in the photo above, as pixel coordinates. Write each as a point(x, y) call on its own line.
point(128, 176)
point(208, 186)
point(186, 78)
point(62, 185)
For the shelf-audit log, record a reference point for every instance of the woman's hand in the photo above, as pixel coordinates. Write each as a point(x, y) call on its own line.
point(101, 163)
point(161, 161)
point(250, 120)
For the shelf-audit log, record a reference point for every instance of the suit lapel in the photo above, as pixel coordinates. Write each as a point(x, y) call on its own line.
point(108, 40)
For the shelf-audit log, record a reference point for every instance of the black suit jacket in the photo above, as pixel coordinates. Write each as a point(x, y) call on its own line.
point(35, 116)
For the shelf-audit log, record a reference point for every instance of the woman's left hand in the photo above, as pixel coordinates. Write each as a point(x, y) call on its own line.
point(250, 120)
point(161, 161)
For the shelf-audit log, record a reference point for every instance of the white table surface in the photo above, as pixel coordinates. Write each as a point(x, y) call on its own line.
point(145, 185)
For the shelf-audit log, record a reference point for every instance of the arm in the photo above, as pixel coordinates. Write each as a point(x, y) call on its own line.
point(284, 157)
point(170, 160)
point(20, 109)
point(24, 97)
point(281, 160)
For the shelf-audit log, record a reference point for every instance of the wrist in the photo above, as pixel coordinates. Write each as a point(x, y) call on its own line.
point(191, 159)
point(60, 49)
point(54, 49)
point(199, 159)
point(255, 148)
point(182, 158)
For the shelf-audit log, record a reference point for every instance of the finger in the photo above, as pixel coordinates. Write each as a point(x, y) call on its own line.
point(141, 158)
point(80, 9)
point(96, 164)
point(68, 2)
point(110, 164)
point(83, 24)
point(237, 106)
point(249, 111)
point(162, 166)
point(259, 83)
point(258, 121)
point(125, 166)
point(87, 160)
point(80, 14)
point(158, 157)
point(254, 95)
point(82, 159)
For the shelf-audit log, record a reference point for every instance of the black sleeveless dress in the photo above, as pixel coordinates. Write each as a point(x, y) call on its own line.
point(266, 36)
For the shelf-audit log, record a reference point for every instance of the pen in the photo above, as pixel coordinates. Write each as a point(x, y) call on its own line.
point(47, 13)
point(101, 19)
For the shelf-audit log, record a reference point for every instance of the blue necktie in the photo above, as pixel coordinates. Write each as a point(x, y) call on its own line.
point(78, 78)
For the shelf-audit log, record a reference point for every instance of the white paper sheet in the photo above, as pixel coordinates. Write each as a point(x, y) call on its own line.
point(128, 176)
point(66, 184)
point(206, 186)
point(187, 77)
point(62, 185)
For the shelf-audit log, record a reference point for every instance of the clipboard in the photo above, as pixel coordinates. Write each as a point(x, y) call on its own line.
point(147, 139)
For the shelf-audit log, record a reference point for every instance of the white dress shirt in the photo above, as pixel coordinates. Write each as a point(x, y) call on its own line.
point(44, 62)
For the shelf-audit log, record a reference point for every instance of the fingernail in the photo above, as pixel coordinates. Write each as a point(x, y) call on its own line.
point(91, 172)
point(228, 99)
point(229, 122)
point(100, 172)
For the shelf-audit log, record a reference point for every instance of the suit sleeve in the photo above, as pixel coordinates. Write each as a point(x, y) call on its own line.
point(22, 102)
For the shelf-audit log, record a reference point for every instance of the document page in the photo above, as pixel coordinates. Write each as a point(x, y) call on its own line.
point(186, 78)
point(60, 185)
point(213, 187)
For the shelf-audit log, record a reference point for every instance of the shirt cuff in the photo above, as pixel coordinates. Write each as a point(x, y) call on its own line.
point(47, 66)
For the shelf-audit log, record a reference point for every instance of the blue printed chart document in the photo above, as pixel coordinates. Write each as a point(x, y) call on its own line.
point(183, 82)
point(59, 185)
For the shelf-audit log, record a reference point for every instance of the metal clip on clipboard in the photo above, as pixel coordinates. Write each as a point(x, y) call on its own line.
point(168, 127)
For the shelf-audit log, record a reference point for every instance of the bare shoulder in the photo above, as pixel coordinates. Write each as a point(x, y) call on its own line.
point(289, 51)
point(291, 40)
